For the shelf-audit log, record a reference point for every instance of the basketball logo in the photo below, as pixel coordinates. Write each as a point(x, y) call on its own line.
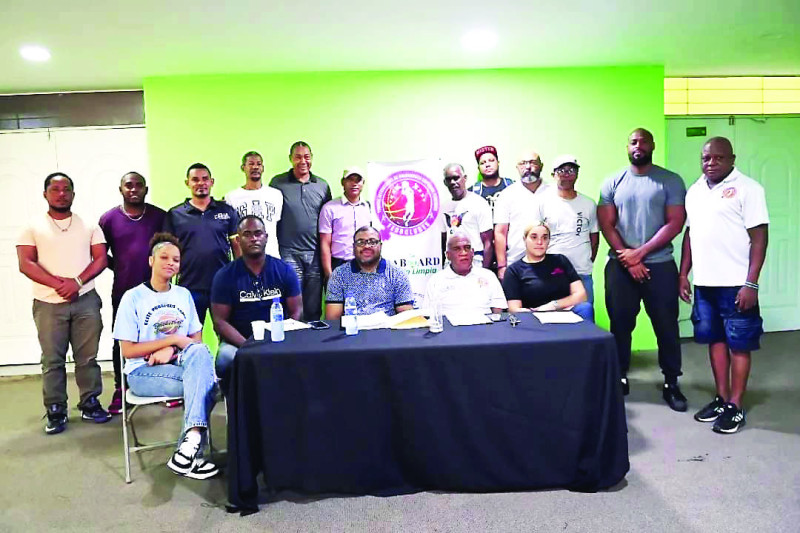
point(730, 192)
point(408, 203)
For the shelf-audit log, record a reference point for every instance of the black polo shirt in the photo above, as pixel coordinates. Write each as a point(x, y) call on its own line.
point(205, 238)
point(302, 202)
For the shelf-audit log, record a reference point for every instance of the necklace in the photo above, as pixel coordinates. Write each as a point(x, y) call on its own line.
point(132, 219)
point(56, 223)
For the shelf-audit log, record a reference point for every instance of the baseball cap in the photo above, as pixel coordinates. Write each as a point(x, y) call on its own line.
point(349, 171)
point(565, 159)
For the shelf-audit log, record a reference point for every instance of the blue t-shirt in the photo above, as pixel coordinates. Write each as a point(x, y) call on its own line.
point(641, 203)
point(205, 238)
point(250, 296)
point(374, 291)
point(147, 315)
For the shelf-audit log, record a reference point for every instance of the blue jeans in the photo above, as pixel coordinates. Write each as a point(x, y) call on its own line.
point(588, 284)
point(307, 266)
point(585, 310)
point(190, 376)
point(716, 319)
point(225, 355)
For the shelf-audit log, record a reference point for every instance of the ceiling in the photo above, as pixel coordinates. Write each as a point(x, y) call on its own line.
point(108, 45)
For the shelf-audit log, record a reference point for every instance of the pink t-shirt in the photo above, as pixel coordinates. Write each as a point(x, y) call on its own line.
point(63, 248)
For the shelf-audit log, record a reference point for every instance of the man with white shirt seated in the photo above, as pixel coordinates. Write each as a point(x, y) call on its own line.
point(463, 287)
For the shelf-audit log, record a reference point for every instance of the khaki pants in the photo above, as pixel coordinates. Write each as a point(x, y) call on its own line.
point(76, 323)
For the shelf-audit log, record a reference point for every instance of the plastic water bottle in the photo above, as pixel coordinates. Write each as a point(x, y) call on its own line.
point(350, 318)
point(276, 321)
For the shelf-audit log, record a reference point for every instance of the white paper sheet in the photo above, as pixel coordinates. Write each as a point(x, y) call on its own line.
point(467, 318)
point(290, 324)
point(557, 317)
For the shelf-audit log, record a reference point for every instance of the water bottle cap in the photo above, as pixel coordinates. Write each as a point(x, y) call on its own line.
point(276, 300)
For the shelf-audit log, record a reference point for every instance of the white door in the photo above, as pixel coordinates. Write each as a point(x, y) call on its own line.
point(96, 159)
point(766, 151)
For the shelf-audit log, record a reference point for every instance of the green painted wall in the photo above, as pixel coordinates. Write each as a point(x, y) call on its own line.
point(354, 117)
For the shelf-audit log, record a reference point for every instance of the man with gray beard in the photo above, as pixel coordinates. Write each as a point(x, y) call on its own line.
point(514, 209)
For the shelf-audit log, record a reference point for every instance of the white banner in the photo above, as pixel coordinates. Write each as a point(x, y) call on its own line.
point(406, 201)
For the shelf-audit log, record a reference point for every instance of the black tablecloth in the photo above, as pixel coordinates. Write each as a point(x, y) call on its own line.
point(477, 408)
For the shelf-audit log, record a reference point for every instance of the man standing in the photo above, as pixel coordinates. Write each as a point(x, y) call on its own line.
point(376, 284)
point(462, 286)
point(253, 198)
point(304, 194)
point(61, 255)
point(572, 219)
point(727, 214)
point(243, 290)
point(640, 212)
point(490, 184)
point(128, 229)
point(339, 219)
point(470, 213)
point(514, 210)
point(206, 229)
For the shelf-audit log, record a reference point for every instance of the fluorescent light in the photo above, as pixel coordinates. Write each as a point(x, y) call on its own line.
point(479, 40)
point(34, 52)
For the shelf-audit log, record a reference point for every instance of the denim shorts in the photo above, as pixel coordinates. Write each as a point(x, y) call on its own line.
point(716, 319)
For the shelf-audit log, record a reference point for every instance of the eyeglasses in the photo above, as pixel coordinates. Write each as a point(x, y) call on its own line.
point(367, 242)
point(567, 170)
point(530, 163)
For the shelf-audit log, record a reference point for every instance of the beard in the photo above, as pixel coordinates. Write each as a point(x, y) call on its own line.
point(60, 209)
point(642, 160)
point(493, 176)
point(529, 177)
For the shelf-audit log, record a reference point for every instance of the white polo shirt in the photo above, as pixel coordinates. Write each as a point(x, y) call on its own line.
point(516, 206)
point(570, 222)
point(719, 218)
point(479, 290)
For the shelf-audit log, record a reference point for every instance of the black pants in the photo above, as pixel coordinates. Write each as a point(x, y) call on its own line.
point(115, 351)
point(660, 295)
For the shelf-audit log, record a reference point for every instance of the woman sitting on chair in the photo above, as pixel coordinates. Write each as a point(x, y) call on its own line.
point(160, 338)
point(544, 282)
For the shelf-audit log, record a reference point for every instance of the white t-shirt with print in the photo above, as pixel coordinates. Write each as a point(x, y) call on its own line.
point(266, 203)
point(570, 222)
point(147, 315)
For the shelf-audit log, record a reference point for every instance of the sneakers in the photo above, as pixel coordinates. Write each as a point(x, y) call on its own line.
point(674, 398)
point(711, 412)
point(92, 411)
point(185, 461)
point(115, 407)
point(731, 419)
point(626, 388)
point(202, 469)
point(56, 419)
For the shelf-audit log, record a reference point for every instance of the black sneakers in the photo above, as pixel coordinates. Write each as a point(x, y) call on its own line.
point(674, 398)
point(92, 411)
point(711, 412)
point(731, 419)
point(56, 418)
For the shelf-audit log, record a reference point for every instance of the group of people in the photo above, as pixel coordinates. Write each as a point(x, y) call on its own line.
point(513, 245)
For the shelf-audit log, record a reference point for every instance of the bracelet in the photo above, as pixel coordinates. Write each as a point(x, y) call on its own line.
point(501, 266)
point(78, 281)
point(555, 305)
point(751, 285)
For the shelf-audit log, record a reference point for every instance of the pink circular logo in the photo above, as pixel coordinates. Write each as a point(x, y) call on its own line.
point(407, 203)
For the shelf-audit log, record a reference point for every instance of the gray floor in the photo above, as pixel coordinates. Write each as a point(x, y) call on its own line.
point(683, 476)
